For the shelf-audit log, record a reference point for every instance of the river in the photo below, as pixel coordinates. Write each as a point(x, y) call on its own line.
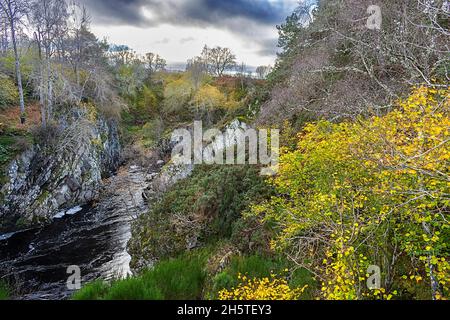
point(93, 237)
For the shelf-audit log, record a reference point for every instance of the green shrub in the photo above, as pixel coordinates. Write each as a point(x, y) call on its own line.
point(222, 281)
point(133, 289)
point(302, 277)
point(27, 59)
point(152, 132)
point(257, 266)
point(201, 209)
point(142, 107)
point(251, 235)
point(5, 148)
point(4, 291)
point(8, 92)
point(179, 279)
point(177, 95)
point(93, 291)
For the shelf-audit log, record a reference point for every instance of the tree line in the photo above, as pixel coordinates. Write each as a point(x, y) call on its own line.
point(69, 65)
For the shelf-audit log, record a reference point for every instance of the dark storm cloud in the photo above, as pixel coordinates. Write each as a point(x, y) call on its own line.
point(186, 12)
point(213, 11)
point(246, 19)
point(116, 11)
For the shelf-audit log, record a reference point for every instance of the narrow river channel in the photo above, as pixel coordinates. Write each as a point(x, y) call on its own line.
point(93, 237)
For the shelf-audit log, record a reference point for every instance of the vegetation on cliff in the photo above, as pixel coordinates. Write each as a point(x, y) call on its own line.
point(4, 291)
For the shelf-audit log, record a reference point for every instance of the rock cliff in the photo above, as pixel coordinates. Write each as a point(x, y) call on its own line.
point(57, 175)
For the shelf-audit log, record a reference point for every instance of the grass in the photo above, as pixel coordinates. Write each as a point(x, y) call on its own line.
point(4, 291)
point(184, 278)
point(256, 266)
point(175, 279)
point(133, 289)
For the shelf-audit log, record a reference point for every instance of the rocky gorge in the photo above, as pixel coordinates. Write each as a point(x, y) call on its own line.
point(60, 172)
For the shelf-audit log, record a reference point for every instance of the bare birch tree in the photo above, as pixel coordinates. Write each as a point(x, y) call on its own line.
point(14, 11)
point(4, 33)
point(197, 70)
point(154, 63)
point(218, 60)
point(49, 17)
point(263, 71)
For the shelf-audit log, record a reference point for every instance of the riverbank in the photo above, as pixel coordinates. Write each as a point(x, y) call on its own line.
point(94, 237)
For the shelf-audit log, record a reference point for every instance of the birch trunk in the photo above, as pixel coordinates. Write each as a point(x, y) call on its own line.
point(17, 66)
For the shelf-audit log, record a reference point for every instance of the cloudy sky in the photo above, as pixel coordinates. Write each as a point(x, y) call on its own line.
point(178, 29)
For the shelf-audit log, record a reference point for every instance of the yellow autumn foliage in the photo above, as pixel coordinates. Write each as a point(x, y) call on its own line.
point(209, 97)
point(264, 289)
point(177, 94)
point(370, 192)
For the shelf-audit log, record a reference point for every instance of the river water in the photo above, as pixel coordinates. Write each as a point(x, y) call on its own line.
point(92, 237)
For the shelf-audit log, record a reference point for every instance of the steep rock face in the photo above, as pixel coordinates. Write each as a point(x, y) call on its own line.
point(48, 178)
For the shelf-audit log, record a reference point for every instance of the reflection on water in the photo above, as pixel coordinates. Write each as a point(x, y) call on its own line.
point(92, 237)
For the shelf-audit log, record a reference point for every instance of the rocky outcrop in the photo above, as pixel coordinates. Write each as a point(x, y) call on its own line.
point(172, 172)
point(165, 178)
point(50, 177)
point(161, 182)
